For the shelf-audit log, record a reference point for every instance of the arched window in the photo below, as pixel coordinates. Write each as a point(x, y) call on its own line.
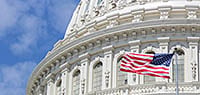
point(97, 76)
point(121, 76)
point(76, 82)
point(149, 79)
point(180, 60)
point(99, 2)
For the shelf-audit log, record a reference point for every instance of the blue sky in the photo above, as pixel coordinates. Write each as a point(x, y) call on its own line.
point(28, 30)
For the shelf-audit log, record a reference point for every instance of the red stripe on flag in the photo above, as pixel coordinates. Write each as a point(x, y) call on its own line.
point(144, 70)
point(125, 70)
point(147, 66)
point(126, 58)
point(139, 58)
point(141, 62)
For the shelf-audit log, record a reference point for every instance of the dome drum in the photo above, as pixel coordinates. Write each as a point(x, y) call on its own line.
point(162, 44)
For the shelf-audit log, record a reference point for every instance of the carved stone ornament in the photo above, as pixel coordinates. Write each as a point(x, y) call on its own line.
point(112, 23)
point(164, 15)
point(192, 14)
point(107, 78)
point(137, 18)
point(122, 4)
point(82, 86)
point(194, 68)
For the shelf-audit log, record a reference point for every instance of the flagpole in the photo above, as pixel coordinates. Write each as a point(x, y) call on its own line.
point(176, 58)
point(177, 89)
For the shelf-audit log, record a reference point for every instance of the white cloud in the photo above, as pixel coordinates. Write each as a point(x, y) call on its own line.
point(33, 28)
point(8, 16)
point(14, 78)
point(30, 20)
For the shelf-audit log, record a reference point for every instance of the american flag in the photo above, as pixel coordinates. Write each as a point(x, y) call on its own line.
point(156, 65)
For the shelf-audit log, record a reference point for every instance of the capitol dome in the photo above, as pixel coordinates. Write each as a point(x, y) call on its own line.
point(86, 60)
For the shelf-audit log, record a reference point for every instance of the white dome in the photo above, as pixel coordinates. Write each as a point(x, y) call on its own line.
point(86, 61)
point(99, 14)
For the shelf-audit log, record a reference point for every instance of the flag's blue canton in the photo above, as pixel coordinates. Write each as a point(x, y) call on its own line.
point(162, 59)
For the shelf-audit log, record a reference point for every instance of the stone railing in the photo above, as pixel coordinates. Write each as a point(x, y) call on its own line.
point(168, 88)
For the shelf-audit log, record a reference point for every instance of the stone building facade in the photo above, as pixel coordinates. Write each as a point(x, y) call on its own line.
point(86, 61)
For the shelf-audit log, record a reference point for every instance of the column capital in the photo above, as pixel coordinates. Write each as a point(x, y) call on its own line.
point(84, 56)
point(108, 48)
point(50, 78)
point(193, 39)
point(135, 42)
point(64, 70)
point(163, 39)
point(85, 60)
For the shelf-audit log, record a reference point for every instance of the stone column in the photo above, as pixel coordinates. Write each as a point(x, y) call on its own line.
point(90, 78)
point(50, 87)
point(135, 47)
point(108, 60)
point(64, 78)
point(70, 87)
point(163, 45)
point(84, 73)
point(40, 90)
point(115, 67)
point(192, 72)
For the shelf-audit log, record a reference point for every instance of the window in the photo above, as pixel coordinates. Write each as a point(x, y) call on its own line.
point(149, 79)
point(76, 82)
point(180, 60)
point(99, 2)
point(121, 76)
point(97, 77)
point(87, 6)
